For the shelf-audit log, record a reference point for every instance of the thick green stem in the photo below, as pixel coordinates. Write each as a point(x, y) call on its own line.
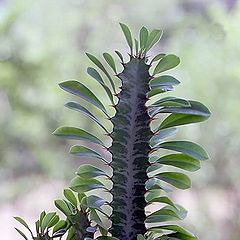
point(130, 148)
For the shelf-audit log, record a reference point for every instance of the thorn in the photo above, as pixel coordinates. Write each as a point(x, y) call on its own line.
point(152, 119)
point(114, 106)
point(152, 150)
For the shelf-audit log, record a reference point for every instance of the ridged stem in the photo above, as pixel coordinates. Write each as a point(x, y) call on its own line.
point(130, 148)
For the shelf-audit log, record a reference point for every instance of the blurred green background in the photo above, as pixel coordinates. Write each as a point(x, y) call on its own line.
point(43, 42)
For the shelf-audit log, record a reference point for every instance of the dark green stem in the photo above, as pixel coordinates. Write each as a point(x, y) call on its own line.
point(130, 148)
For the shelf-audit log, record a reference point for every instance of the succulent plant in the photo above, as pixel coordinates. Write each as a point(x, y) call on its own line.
point(140, 166)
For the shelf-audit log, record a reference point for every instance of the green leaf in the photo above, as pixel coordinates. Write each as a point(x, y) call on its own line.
point(20, 220)
point(179, 210)
point(93, 201)
point(171, 102)
point(54, 221)
point(120, 56)
point(162, 215)
point(77, 107)
point(42, 215)
point(153, 38)
point(181, 161)
point(89, 171)
point(189, 148)
point(46, 220)
point(195, 108)
point(164, 80)
point(95, 217)
point(128, 35)
point(174, 228)
point(168, 62)
point(164, 199)
point(176, 119)
point(94, 73)
point(37, 225)
point(82, 151)
point(76, 133)
point(80, 90)
point(21, 233)
point(178, 180)
point(160, 135)
point(62, 206)
point(103, 231)
point(69, 195)
point(109, 59)
point(81, 185)
point(80, 196)
point(153, 167)
point(71, 234)
point(143, 37)
point(60, 225)
point(158, 57)
point(102, 68)
point(153, 193)
point(156, 91)
point(155, 183)
point(70, 206)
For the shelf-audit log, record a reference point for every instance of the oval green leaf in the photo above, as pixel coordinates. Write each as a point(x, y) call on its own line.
point(102, 68)
point(128, 35)
point(62, 206)
point(53, 221)
point(109, 59)
point(168, 62)
point(90, 171)
point(158, 57)
point(82, 185)
point(171, 102)
point(143, 36)
point(21, 233)
point(77, 107)
point(153, 38)
point(164, 199)
point(176, 179)
point(82, 151)
point(46, 220)
point(174, 228)
point(162, 215)
point(69, 195)
point(80, 90)
point(189, 148)
point(160, 135)
point(60, 225)
point(120, 56)
point(93, 201)
point(180, 161)
point(165, 80)
point(194, 108)
point(76, 133)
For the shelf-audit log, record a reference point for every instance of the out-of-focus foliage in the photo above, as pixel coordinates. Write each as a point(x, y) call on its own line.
point(42, 43)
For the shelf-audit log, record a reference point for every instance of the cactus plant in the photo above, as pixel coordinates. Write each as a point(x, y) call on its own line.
point(137, 174)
